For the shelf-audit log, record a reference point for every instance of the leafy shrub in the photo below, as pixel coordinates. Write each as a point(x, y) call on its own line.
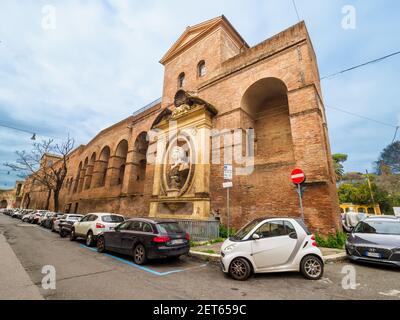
point(337, 241)
point(223, 231)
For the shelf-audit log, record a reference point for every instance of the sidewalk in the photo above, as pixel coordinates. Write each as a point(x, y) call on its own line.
point(212, 253)
point(15, 283)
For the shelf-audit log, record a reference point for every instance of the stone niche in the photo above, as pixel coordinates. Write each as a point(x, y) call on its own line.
point(181, 188)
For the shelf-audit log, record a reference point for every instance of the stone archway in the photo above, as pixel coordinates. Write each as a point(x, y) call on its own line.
point(101, 168)
point(119, 164)
point(137, 165)
point(266, 106)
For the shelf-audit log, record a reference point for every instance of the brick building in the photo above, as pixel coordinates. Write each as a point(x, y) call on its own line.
point(263, 102)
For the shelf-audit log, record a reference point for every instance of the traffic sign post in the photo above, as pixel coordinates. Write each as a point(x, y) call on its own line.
point(228, 175)
point(298, 178)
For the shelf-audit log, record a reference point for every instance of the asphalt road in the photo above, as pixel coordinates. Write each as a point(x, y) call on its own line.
point(82, 273)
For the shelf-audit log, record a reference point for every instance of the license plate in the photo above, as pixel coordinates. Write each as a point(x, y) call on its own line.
point(373, 255)
point(178, 241)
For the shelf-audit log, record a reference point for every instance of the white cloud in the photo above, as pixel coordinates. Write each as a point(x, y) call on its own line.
point(104, 56)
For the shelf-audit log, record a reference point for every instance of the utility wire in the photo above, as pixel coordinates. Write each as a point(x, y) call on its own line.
point(360, 65)
point(395, 134)
point(295, 9)
point(362, 117)
point(17, 129)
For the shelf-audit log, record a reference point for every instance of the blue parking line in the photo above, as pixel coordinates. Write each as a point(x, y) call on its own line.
point(160, 274)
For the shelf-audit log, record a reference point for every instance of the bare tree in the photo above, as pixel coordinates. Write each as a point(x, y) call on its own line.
point(48, 174)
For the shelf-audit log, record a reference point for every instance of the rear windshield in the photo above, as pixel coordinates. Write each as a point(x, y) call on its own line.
point(169, 228)
point(112, 219)
point(74, 217)
point(303, 225)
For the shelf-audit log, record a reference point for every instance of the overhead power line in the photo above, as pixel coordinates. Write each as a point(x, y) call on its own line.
point(295, 9)
point(362, 117)
point(360, 65)
point(395, 134)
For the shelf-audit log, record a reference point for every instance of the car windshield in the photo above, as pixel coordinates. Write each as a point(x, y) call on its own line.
point(379, 227)
point(112, 219)
point(242, 233)
point(169, 228)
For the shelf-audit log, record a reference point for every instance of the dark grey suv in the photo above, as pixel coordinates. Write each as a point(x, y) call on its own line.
point(376, 240)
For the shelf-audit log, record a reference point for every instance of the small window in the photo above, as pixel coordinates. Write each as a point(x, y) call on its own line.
point(181, 80)
point(272, 229)
point(201, 69)
point(147, 228)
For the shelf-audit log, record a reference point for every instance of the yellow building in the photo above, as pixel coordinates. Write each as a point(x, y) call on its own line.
point(347, 207)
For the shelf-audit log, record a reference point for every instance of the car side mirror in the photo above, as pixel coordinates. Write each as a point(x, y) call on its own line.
point(293, 235)
point(256, 237)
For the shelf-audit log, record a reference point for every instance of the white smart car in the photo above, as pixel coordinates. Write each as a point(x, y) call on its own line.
point(272, 245)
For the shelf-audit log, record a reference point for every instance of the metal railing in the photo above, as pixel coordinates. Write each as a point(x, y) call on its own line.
point(201, 230)
point(147, 107)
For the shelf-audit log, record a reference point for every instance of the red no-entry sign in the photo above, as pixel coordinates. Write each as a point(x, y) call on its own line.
point(298, 176)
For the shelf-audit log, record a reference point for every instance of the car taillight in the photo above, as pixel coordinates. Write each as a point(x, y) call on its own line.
point(100, 226)
point(313, 237)
point(161, 239)
point(187, 236)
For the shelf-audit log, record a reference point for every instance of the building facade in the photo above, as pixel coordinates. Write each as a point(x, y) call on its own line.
point(259, 108)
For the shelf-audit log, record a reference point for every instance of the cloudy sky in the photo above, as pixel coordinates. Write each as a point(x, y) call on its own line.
point(100, 64)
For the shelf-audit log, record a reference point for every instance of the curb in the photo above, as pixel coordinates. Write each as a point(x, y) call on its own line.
point(335, 258)
point(215, 258)
point(208, 257)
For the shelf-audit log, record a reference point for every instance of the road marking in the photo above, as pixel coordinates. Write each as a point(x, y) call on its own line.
point(160, 274)
point(392, 293)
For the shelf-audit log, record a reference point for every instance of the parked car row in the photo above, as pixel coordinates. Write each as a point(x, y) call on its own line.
point(262, 246)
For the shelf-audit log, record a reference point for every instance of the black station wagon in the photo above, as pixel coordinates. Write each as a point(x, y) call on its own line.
point(145, 239)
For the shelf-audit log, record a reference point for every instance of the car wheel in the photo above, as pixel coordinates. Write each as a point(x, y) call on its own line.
point(139, 255)
point(312, 267)
point(89, 239)
point(240, 269)
point(101, 245)
point(72, 235)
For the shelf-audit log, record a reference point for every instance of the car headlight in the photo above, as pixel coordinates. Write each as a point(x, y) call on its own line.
point(229, 248)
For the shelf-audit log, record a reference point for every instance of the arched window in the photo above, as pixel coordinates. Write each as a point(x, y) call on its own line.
point(201, 69)
point(181, 80)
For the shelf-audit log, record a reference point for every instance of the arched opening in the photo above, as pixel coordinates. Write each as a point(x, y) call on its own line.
point(201, 69)
point(89, 172)
point(119, 163)
point(83, 175)
point(19, 187)
point(3, 204)
point(140, 163)
point(181, 80)
point(103, 166)
point(78, 177)
point(267, 108)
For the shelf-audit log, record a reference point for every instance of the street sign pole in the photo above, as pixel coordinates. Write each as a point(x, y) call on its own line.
point(298, 178)
point(301, 200)
point(228, 210)
point(228, 175)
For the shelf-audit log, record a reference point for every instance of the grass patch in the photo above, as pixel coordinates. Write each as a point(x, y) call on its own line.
point(337, 241)
point(209, 251)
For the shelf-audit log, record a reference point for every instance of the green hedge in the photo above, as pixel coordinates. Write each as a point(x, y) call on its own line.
point(337, 241)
